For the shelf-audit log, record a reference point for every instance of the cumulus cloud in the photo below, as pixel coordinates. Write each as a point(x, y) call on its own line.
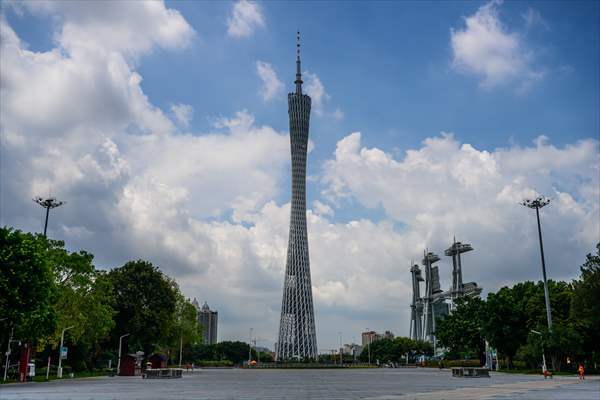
point(446, 188)
point(319, 96)
point(487, 49)
point(132, 28)
point(272, 87)
point(183, 113)
point(245, 17)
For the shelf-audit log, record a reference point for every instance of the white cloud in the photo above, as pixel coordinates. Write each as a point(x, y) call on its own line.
point(319, 96)
point(487, 49)
point(315, 89)
point(533, 18)
point(131, 28)
point(183, 113)
point(272, 87)
point(446, 188)
point(245, 17)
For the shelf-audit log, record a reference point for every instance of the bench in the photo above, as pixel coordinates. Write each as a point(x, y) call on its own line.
point(163, 373)
point(470, 372)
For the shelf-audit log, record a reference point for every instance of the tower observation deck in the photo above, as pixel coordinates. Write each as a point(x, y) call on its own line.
point(297, 336)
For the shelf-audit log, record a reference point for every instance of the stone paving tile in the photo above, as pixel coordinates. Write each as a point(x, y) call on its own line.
point(379, 384)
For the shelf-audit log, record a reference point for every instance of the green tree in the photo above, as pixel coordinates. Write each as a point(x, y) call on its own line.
point(585, 306)
point(461, 331)
point(185, 328)
point(27, 289)
point(393, 350)
point(236, 351)
point(145, 301)
point(504, 323)
point(84, 301)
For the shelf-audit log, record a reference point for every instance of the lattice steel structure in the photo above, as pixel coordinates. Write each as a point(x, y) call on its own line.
point(297, 336)
point(460, 289)
point(432, 295)
point(416, 307)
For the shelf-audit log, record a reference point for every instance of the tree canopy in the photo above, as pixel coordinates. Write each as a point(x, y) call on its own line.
point(26, 284)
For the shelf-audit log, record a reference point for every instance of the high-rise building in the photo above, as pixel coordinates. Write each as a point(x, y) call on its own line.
point(369, 337)
point(297, 336)
point(208, 320)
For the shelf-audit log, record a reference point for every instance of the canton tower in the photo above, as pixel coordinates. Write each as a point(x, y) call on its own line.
point(297, 338)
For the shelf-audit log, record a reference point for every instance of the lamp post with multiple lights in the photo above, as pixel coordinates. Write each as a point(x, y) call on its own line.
point(48, 203)
point(536, 204)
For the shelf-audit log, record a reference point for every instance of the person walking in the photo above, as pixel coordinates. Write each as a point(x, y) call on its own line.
point(581, 371)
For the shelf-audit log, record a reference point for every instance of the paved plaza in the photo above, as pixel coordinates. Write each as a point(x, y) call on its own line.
point(380, 384)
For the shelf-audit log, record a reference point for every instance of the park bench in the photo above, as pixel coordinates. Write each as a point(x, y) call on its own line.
point(470, 372)
point(163, 373)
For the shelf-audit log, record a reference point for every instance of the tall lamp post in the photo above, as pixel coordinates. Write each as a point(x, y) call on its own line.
point(536, 204)
point(8, 351)
point(48, 203)
point(62, 339)
point(369, 345)
point(544, 369)
point(341, 349)
point(250, 347)
point(119, 355)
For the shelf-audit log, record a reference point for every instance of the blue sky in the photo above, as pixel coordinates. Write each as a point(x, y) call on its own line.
point(463, 108)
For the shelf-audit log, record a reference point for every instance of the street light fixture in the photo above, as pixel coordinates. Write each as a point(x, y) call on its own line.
point(8, 351)
point(369, 345)
point(62, 339)
point(119, 359)
point(250, 348)
point(544, 369)
point(341, 350)
point(48, 203)
point(536, 204)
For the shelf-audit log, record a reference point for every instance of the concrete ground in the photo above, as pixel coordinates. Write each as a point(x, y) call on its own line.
point(380, 384)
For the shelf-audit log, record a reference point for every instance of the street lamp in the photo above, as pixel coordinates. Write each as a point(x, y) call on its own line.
point(369, 345)
point(48, 203)
point(10, 340)
point(119, 359)
point(62, 339)
point(536, 204)
point(544, 369)
point(250, 348)
point(341, 350)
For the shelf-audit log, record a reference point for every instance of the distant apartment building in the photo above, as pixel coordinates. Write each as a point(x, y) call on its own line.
point(352, 349)
point(208, 320)
point(372, 336)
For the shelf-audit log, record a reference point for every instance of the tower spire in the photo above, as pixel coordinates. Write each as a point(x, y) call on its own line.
point(298, 80)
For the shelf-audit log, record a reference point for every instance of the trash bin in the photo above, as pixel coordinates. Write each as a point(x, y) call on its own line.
point(30, 371)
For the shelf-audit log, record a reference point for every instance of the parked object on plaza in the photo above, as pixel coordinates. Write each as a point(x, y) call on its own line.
point(131, 364)
point(158, 361)
point(162, 373)
point(470, 372)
